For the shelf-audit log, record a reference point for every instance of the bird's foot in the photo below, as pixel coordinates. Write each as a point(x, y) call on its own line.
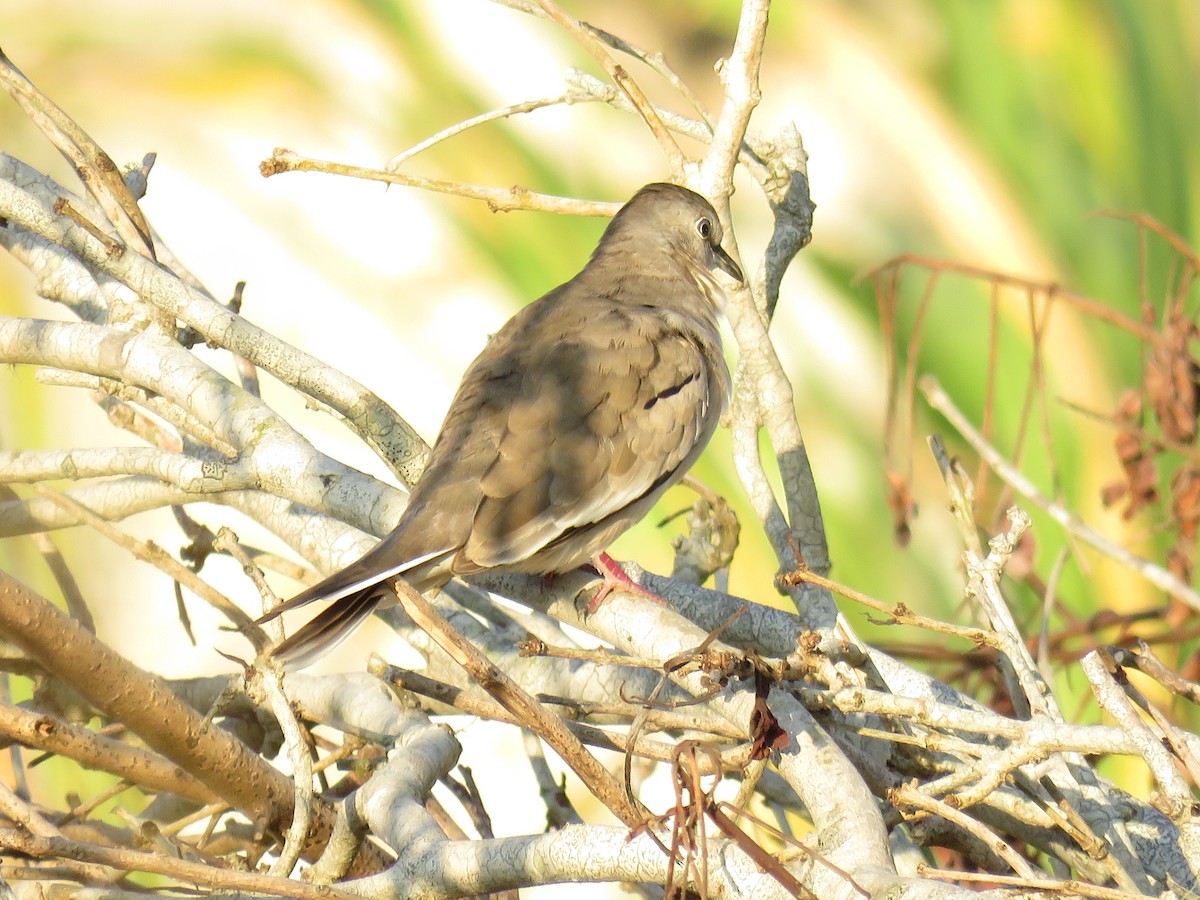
point(615, 579)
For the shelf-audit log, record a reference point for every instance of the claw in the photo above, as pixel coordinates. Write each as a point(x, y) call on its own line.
point(615, 579)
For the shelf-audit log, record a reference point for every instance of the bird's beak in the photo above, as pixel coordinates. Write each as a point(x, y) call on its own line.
point(726, 264)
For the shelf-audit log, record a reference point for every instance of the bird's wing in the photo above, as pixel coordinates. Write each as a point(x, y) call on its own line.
point(607, 416)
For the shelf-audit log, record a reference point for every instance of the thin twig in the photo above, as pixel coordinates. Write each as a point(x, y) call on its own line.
point(1156, 575)
point(908, 796)
point(95, 168)
point(1084, 304)
point(739, 77)
point(506, 112)
point(1103, 673)
point(510, 695)
point(178, 869)
point(1043, 886)
point(621, 79)
point(147, 551)
point(497, 199)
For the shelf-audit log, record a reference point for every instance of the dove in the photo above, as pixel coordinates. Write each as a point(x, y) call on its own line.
point(576, 417)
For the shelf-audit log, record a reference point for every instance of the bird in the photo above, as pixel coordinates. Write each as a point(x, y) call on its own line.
point(578, 414)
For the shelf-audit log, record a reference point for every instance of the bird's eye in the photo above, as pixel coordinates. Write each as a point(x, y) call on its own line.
point(704, 228)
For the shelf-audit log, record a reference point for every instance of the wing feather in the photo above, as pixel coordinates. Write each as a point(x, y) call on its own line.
point(600, 425)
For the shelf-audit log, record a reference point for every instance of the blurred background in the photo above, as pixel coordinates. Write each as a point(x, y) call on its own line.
point(985, 133)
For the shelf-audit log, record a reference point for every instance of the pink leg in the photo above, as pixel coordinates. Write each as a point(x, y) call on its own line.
point(615, 578)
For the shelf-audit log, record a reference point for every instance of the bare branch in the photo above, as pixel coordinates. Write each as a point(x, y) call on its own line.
point(1156, 575)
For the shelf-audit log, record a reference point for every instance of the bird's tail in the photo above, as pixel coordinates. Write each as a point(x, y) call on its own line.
point(328, 629)
point(354, 593)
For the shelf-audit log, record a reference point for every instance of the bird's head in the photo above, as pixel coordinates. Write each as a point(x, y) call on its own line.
point(669, 219)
